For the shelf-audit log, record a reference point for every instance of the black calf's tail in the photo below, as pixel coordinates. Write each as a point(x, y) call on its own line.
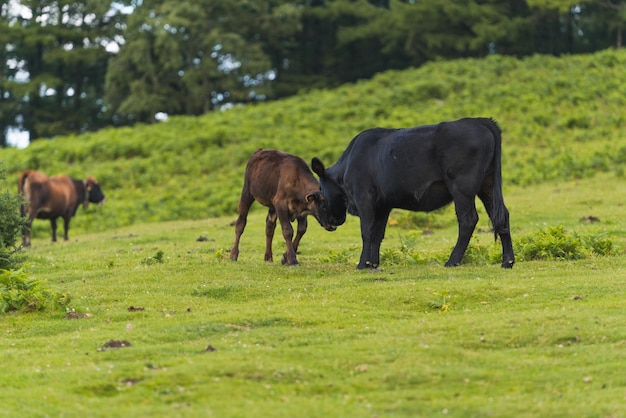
point(499, 212)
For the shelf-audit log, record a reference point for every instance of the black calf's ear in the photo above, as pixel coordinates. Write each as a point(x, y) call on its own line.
point(318, 167)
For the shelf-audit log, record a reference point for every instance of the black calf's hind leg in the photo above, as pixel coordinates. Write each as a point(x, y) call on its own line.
point(467, 218)
point(508, 257)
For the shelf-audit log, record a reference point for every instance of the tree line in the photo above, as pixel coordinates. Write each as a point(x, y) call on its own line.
point(75, 66)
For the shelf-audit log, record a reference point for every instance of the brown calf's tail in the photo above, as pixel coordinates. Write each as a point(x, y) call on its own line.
point(20, 189)
point(22, 180)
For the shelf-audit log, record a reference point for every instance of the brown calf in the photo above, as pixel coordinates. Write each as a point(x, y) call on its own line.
point(285, 184)
point(54, 197)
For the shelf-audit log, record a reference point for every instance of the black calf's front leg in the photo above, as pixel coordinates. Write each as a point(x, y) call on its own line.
point(372, 234)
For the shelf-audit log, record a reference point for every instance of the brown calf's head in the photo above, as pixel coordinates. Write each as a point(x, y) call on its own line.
point(93, 192)
point(318, 207)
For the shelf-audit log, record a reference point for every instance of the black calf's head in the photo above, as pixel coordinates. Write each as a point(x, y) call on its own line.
point(333, 194)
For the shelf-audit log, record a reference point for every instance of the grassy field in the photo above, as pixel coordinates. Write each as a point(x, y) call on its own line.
point(210, 337)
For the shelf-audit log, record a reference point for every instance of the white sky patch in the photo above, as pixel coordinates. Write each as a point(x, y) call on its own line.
point(20, 10)
point(17, 138)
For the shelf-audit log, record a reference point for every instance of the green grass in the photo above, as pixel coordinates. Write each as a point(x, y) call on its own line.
point(323, 339)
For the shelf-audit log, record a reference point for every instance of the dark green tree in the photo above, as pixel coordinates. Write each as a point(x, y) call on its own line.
point(61, 46)
point(185, 58)
point(346, 40)
point(609, 17)
point(9, 103)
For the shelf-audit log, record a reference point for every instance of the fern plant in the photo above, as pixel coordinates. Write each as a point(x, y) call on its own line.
point(20, 292)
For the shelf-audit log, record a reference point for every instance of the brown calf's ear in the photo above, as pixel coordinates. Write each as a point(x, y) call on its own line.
point(313, 196)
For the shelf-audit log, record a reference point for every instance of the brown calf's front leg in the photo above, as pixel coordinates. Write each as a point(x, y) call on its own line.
point(302, 225)
point(289, 257)
point(66, 228)
point(53, 225)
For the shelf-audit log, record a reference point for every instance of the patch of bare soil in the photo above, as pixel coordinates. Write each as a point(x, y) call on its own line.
point(77, 315)
point(114, 344)
point(590, 219)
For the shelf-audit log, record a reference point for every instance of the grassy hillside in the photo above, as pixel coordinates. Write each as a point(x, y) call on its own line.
point(562, 118)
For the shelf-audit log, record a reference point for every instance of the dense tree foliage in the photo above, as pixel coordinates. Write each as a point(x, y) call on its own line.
point(60, 49)
point(61, 74)
point(185, 58)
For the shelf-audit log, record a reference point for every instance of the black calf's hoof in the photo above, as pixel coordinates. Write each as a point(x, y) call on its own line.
point(367, 265)
point(508, 264)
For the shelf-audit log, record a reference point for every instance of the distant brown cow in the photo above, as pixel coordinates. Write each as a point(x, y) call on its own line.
point(54, 197)
point(285, 184)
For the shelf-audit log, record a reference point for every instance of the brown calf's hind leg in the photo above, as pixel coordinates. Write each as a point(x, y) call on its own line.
point(244, 206)
point(53, 224)
point(270, 227)
point(66, 228)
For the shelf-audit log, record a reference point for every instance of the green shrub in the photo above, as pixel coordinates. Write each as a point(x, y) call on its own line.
point(599, 244)
point(422, 220)
point(156, 258)
point(339, 257)
point(482, 254)
point(19, 292)
point(393, 256)
point(555, 243)
point(11, 224)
